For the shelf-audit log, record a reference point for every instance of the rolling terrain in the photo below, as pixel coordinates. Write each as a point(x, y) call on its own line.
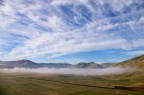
point(31, 64)
point(65, 84)
point(134, 62)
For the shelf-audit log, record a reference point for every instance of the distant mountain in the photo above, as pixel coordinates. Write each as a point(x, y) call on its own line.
point(20, 64)
point(134, 62)
point(30, 64)
point(55, 65)
point(87, 65)
point(106, 65)
point(5, 66)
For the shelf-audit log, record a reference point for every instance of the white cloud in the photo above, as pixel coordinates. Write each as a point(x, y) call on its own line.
point(142, 20)
point(60, 2)
point(138, 52)
point(5, 19)
point(8, 9)
point(138, 43)
point(33, 40)
point(57, 44)
point(56, 24)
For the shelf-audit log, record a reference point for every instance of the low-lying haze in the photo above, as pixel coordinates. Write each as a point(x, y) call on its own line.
point(73, 71)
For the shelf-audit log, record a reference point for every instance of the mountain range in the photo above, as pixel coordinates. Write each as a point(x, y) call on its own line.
point(134, 62)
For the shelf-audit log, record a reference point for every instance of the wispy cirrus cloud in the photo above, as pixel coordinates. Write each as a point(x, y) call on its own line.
point(136, 52)
point(54, 28)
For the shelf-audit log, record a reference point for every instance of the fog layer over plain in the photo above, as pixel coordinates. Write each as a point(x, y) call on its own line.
point(73, 71)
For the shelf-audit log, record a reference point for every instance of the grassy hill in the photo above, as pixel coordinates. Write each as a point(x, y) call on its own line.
point(43, 84)
point(135, 77)
point(134, 62)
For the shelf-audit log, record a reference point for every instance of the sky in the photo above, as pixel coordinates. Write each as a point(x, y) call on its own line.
point(71, 30)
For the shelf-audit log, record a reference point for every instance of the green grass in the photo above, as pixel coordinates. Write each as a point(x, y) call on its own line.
point(34, 84)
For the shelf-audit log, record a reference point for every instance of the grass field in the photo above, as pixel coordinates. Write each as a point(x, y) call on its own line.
point(42, 84)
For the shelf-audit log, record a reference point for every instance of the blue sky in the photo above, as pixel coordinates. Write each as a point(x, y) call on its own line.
point(71, 30)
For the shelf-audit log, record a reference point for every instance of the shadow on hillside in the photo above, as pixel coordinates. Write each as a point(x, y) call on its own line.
point(141, 89)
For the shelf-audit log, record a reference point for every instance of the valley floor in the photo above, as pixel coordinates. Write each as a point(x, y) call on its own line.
point(42, 84)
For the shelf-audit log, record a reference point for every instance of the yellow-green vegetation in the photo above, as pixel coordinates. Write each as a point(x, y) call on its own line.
point(134, 62)
point(35, 84)
point(43, 84)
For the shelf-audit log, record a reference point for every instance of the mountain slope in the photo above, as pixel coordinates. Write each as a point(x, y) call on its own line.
point(20, 64)
point(106, 65)
point(88, 65)
point(134, 62)
point(55, 65)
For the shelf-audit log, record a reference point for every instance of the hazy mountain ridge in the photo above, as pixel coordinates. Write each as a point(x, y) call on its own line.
point(30, 64)
point(106, 65)
point(55, 65)
point(19, 64)
point(87, 65)
point(134, 62)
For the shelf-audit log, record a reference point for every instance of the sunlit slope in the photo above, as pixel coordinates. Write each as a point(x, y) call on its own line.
point(137, 76)
point(134, 62)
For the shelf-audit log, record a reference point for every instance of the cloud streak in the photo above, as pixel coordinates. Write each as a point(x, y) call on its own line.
point(53, 28)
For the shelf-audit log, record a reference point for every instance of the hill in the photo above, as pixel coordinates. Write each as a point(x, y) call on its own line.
point(106, 65)
point(55, 65)
point(134, 62)
point(19, 64)
point(87, 65)
point(31, 64)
